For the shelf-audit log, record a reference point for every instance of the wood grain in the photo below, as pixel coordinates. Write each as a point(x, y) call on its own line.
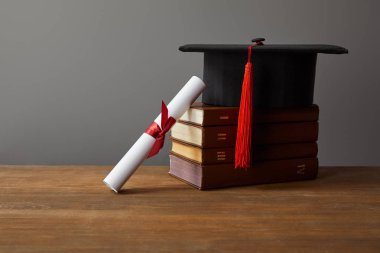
point(68, 209)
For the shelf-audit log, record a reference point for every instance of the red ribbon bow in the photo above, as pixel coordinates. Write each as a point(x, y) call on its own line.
point(156, 132)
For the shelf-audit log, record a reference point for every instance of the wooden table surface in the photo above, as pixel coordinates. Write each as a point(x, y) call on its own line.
point(68, 209)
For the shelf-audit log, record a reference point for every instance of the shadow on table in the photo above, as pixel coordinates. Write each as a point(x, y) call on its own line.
point(328, 178)
point(152, 189)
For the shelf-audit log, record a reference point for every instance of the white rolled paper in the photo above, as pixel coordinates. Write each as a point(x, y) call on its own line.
point(140, 150)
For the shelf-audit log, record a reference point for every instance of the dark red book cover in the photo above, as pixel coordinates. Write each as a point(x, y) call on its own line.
point(206, 156)
point(221, 115)
point(225, 175)
point(274, 133)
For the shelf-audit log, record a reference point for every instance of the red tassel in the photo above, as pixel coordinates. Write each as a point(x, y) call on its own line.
point(244, 130)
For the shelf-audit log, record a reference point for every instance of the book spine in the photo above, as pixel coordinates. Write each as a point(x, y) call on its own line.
point(285, 133)
point(277, 115)
point(284, 151)
point(259, 152)
point(262, 134)
point(220, 117)
point(265, 172)
point(210, 156)
point(224, 116)
point(218, 155)
point(222, 136)
point(218, 176)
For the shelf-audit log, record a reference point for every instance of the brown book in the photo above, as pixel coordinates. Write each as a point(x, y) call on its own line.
point(225, 136)
point(208, 115)
point(207, 156)
point(225, 175)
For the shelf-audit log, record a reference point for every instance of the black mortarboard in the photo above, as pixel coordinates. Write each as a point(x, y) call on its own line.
point(283, 75)
point(258, 75)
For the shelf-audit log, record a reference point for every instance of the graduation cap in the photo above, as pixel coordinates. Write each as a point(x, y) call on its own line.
point(258, 75)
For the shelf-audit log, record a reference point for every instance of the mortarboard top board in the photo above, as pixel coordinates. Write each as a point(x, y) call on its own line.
point(283, 75)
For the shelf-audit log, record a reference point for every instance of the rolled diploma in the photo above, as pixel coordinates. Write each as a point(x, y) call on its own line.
point(140, 150)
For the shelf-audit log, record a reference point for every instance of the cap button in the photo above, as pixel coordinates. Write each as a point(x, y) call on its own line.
point(257, 40)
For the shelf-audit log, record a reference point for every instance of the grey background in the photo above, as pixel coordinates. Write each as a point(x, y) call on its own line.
point(80, 80)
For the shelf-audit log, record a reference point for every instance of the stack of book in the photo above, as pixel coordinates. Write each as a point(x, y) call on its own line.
point(284, 146)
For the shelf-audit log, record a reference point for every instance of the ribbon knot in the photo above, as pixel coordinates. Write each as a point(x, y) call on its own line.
point(158, 132)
